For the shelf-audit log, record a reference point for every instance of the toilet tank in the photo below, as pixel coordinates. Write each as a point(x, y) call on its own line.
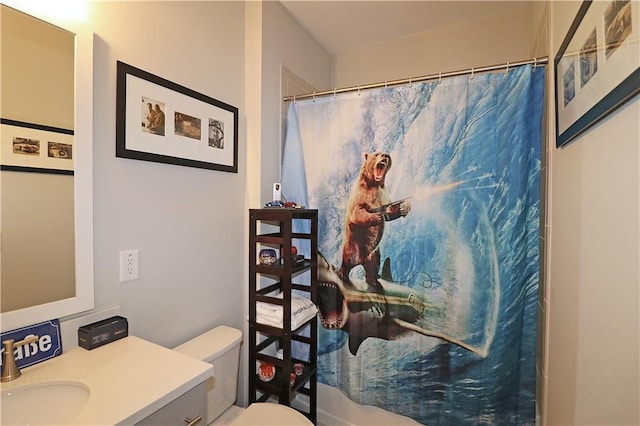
point(220, 347)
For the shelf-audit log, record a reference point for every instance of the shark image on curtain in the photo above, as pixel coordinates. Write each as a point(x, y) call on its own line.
point(429, 207)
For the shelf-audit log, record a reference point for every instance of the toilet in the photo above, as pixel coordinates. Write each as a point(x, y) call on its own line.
point(221, 347)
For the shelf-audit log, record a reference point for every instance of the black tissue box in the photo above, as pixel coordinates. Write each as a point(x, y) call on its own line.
point(100, 333)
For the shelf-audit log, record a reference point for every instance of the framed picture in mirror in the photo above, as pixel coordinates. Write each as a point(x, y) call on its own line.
point(30, 147)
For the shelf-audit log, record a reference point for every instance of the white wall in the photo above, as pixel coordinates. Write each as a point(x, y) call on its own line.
point(273, 39)
point(488, 40)
point(286, 43)
point(189, 224)
point(185, 221)
point(593, 372)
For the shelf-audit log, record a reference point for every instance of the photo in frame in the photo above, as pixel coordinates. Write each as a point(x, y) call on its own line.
point(597, 68)
point(161, 121)
point(30, 147)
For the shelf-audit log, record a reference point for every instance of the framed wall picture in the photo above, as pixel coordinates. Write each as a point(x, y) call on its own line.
point(161, 121)
point(30, 147)
point(597, 68)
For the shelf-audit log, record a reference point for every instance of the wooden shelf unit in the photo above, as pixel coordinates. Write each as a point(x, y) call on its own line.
point(265, 282)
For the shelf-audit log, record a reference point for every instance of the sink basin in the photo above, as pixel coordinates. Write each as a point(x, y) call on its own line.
point(43, 403)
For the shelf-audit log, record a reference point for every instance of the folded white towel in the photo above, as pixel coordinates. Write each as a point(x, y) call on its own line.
point(302, 310)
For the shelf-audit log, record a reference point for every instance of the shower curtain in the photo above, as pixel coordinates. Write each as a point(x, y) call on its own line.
point(429, 209)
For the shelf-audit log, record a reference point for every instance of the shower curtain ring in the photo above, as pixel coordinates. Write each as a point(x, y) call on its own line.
point(440, 77)
point(535, 63)
point(294, 99)
point(334, 92)
point(410, 81)
point(358, 90)
point(314, 97)
point(471, 78)
point(506, 71)
point(385, 84)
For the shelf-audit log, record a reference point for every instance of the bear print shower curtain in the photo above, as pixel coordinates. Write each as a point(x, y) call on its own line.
point(429, 208)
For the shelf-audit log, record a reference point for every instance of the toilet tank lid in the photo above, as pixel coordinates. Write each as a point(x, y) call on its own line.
point(212, 344)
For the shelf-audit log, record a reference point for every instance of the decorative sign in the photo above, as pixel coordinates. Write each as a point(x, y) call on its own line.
point(49, 344)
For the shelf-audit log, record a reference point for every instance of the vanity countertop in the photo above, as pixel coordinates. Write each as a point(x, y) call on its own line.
point(128, 379)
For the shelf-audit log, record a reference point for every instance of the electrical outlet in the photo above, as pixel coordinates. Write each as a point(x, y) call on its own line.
point(129, 265)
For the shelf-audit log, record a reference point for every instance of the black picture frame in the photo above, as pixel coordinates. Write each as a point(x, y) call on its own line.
point(597, 66)
point(183, 127)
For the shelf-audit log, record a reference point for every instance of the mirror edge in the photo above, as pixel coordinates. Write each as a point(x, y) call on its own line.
point(83, 191)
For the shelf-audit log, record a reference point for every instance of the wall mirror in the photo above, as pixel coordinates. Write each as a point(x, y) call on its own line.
point(46, 205)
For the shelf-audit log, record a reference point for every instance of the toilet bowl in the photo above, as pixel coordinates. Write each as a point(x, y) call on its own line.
point(268, 414)
point(221, 347)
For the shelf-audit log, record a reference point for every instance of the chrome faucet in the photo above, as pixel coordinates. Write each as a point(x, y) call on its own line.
point(10, 370)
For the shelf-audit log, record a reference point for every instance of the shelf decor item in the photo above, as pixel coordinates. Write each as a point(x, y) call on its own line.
point(597, 68)
point(266, 372)
point(295, 257)
point(159, 120)
point(268, 257)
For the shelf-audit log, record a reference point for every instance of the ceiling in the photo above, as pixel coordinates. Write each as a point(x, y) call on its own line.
point(341, 26)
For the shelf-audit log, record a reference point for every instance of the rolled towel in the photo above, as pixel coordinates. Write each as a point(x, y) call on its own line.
point(302, 310)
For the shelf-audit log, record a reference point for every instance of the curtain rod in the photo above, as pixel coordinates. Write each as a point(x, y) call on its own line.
point(472, 71)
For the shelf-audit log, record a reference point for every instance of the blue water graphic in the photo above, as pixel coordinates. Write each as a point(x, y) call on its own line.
point(467, 153)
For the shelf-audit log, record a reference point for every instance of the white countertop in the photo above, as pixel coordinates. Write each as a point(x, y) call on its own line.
point(128, 379)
